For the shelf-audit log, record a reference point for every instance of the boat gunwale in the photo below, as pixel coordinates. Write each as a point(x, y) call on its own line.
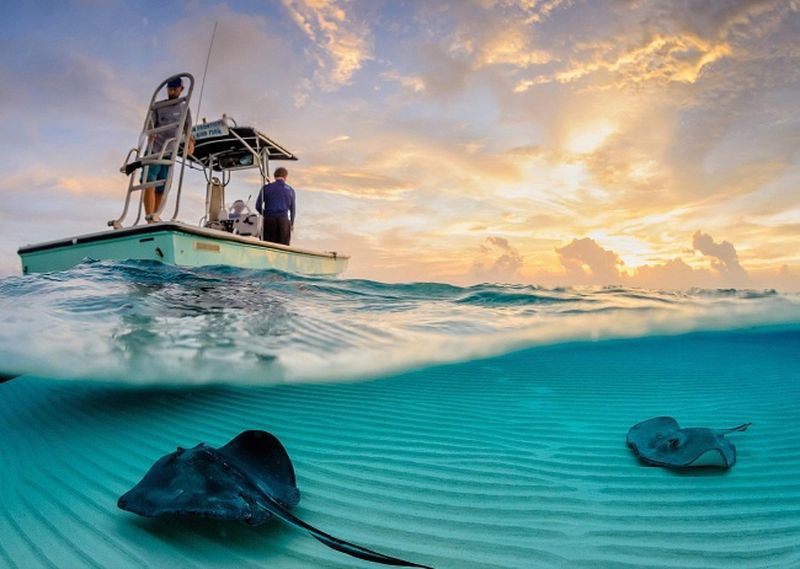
point(172, 226)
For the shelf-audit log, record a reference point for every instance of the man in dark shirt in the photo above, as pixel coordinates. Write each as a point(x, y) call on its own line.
point(276, 202)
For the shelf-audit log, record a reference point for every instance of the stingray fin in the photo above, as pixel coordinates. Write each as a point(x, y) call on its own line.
point(741, 428)
point(334, 542)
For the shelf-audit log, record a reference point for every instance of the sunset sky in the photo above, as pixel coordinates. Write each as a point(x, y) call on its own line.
point(549, 142)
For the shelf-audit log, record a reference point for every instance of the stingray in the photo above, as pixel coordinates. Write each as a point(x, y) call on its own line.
point(250, 479)
point(661, 442)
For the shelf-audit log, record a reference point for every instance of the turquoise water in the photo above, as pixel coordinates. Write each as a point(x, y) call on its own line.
point(472, 427)
point(145, 322)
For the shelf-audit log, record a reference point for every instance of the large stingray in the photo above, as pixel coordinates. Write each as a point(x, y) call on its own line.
point(661, 442)
point(251, 479)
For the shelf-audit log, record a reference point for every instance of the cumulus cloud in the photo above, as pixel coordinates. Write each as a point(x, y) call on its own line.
point(586, 261)
point(673, 274)
point(339, 43)
point(497, 261)
point(723, 257)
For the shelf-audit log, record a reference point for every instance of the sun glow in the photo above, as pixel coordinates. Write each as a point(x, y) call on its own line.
point(632, 251)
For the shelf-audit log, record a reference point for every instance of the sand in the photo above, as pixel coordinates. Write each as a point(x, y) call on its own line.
point(517, 461)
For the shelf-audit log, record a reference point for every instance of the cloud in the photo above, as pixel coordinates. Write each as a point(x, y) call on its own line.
point(511, 48)
point(50, 86)
point(496, 261)
point(239, 81)
point(660, 58)
point(533, 11)
point(723, 257)
point(414, 83)
point(340, 44)
point(360, 182)
point(662, 43)
point(443, 73)
point(586, 261)
point(673, 274)
point(501, 33)
point(784, 278)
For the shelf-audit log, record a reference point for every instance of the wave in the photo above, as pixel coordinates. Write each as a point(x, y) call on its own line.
point(145, 322)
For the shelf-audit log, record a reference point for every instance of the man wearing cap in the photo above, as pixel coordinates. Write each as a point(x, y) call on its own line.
point(164, 116)
point(276, 202)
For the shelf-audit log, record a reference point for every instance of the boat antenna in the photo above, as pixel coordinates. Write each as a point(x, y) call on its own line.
point(205, 70)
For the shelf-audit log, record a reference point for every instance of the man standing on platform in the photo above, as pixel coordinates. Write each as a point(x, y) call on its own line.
point(276, 202)
point(164, 115)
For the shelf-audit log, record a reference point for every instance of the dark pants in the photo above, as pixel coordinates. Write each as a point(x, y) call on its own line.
point(277, 229)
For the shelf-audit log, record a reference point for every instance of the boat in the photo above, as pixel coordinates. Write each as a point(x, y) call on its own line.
point(224, 236)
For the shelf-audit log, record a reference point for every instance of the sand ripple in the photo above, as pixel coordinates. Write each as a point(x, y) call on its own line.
point(518, 461)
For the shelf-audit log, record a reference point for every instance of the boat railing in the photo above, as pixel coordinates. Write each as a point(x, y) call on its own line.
point(140, 166)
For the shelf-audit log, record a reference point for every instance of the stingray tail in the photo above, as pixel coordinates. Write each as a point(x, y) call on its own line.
point(336, 543)
point(743, 427)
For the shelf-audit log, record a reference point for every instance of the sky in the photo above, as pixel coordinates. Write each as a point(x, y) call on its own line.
point(546, 142)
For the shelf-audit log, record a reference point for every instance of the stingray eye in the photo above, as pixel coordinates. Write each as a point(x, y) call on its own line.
point(673, 443)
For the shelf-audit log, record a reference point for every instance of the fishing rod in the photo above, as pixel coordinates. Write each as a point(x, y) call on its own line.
point(205, 70)
point(199, 102)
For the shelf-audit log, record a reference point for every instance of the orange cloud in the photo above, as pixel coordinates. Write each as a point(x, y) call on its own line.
point(584, 260)
point(497, 261)
point(678, 58)
point(512, 48)
point(342, 44)
point(723, 257)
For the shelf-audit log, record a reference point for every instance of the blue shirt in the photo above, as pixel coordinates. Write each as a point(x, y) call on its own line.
point(276, 198)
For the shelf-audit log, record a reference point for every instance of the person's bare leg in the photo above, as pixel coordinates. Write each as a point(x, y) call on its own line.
point(157, 201)
point(149, 201)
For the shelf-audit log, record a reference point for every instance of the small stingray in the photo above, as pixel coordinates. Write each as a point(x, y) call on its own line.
point(251, 479)
point(661, 442)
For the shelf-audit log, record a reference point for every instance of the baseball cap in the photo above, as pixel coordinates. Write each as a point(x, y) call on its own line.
point(175, 82)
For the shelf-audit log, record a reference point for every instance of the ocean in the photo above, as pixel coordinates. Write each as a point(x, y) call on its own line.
point(479, 426)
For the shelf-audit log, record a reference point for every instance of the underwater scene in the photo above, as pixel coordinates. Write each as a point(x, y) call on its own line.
point(416, 424)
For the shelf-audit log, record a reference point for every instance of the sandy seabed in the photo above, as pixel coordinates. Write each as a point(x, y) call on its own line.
point(516, 461)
